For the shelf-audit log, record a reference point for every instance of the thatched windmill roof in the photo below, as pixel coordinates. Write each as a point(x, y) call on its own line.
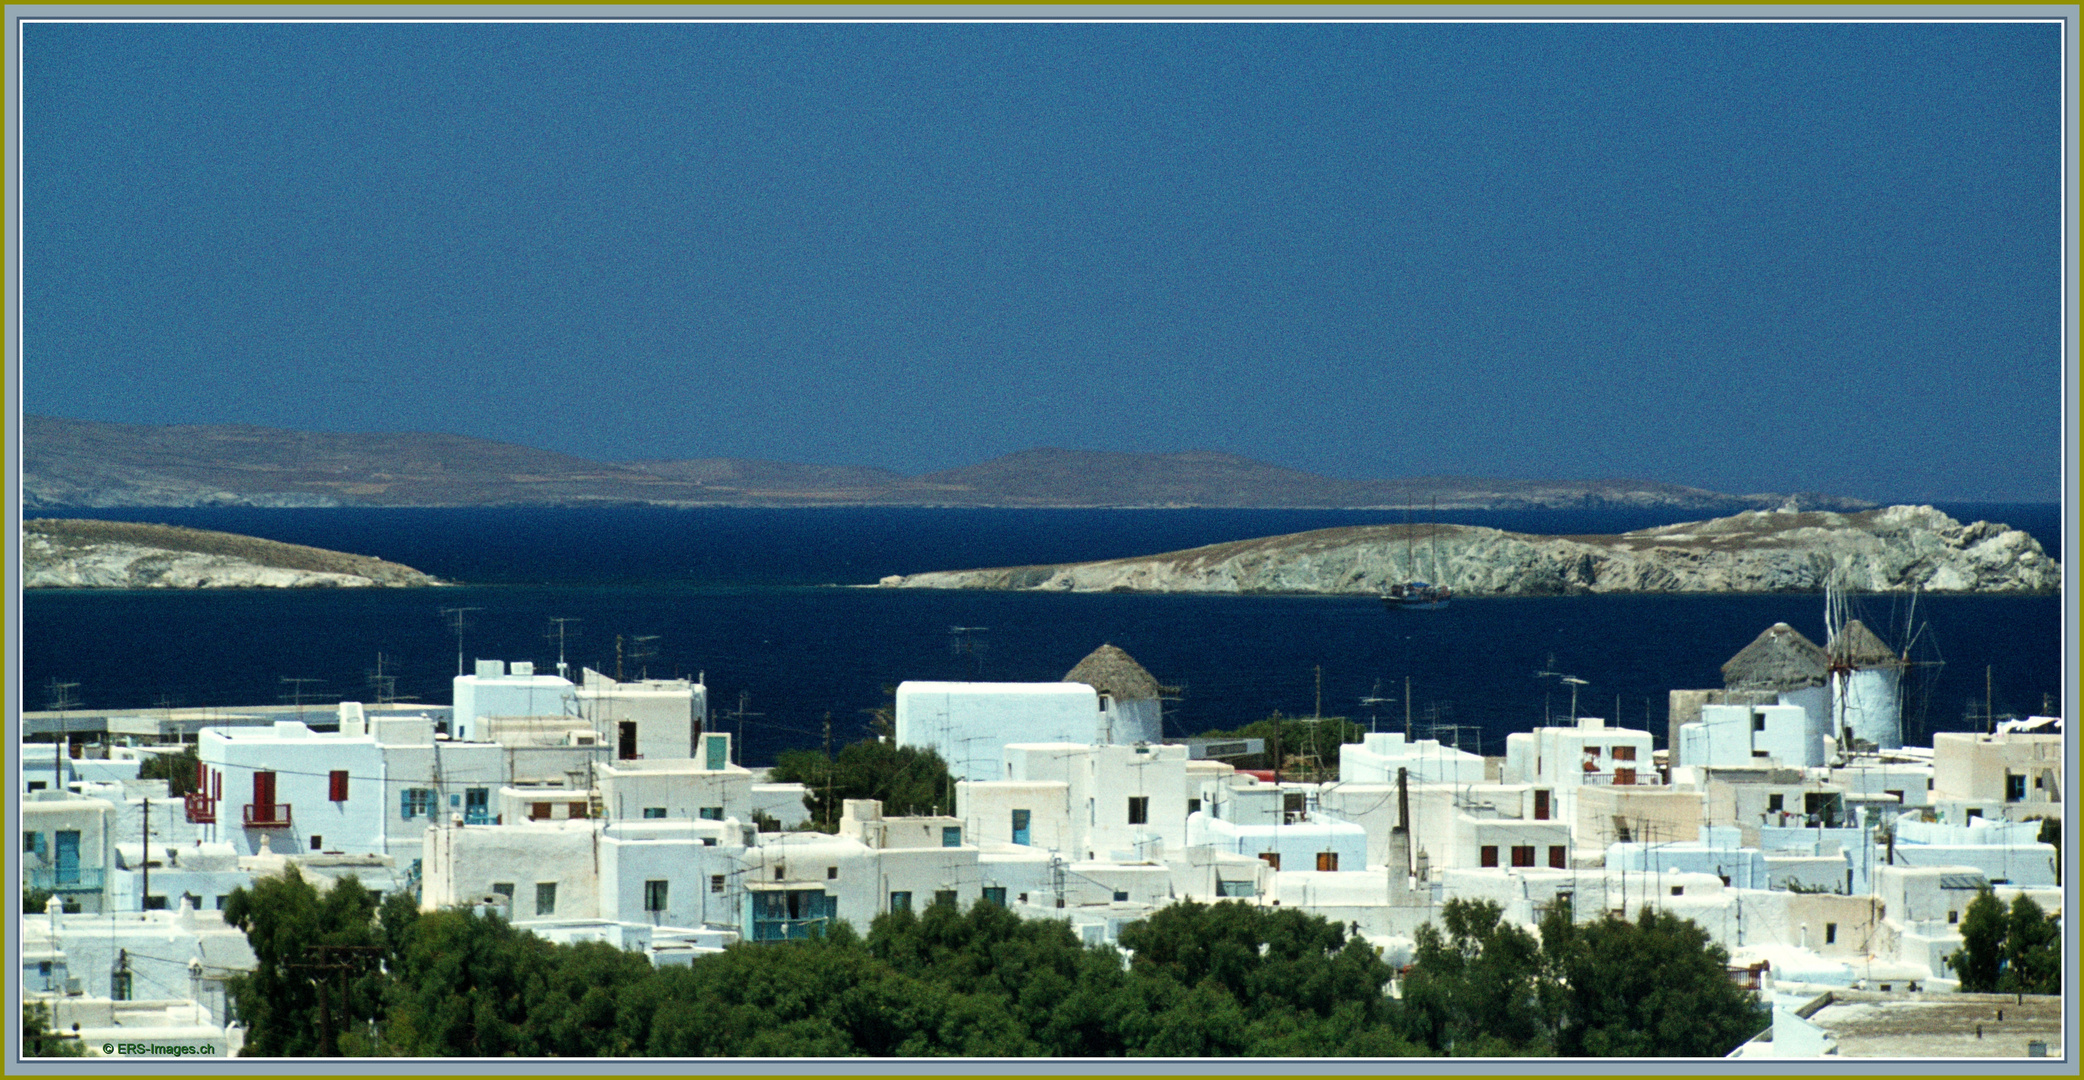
point(1778, 659)
point(1858, 647)
point(1116, 674)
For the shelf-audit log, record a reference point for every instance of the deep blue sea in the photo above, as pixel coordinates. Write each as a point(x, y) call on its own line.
point(757, 601)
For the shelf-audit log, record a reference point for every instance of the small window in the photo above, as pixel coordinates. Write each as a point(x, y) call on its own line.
point(951, 836)
point(32, 842)
point(1271, 858)
point(37, 785)
point(1678, 890)
point(1591, 751)
point(1103, 702)
point(995, 894)
point(1758, 721)
point(945, 896)
point(2014, 787)
point(155, 903)
point(1559, 857)
point(1523, 855)
point(119, 986)
point(1193, 806)
point(1953, 917)
point(1487, 855)
point(709, 813)
point(654, 896)
point(415, 802)
point(1830, 933)
point(777, 873)
point(832, 873)
point(541, 811)
point(1775, 802)
point(504, 889)
point(900, 901)
point(1139, 809)
point(716, 883)
point(1624, 753)
point(654, 811)
point(336, 785)
point(317, 842)
point(1327, 860)
point(546, 898)
point(1974, 812)
point(1541, 804)
point(1121, 896)
point(1761, 754)
point(221, 899)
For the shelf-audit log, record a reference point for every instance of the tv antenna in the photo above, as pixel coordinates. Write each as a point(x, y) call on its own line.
point(60, 700)
point(1374, 699)
point(385, 684)
point(1574, 682)
point(457, 621)
point(962, 641)
point(557, 631)
point(296, 693)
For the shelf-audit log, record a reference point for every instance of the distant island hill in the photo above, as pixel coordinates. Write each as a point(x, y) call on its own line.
point(62, 553)
point(87, 464)
point(1896, 548)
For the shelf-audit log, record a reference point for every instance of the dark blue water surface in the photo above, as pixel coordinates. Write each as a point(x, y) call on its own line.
point(754, 600)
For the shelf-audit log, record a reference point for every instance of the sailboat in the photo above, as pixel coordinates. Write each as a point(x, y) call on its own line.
point(1418, 595)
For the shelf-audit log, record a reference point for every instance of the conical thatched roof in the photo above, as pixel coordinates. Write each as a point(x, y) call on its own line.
point(1857, 647)
point(1778, 659)
point(1116, 674)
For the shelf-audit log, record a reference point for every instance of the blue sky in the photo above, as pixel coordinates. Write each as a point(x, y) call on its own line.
point(1748, 257)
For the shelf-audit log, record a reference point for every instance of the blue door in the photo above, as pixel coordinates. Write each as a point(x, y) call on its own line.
point(67, 864)
point(1020, 826)
point(477, 806)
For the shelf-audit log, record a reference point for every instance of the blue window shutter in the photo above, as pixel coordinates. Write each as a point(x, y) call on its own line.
point(405, 803)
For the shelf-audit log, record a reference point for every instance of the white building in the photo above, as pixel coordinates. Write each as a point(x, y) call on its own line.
point(1741, 736)
point(646, 718)
point(155, 977)
point(1560, 760)
point(970, 724)
point(1381, 754)
point(494, 690)
point(2014, 774)
point(1112, 803)
point(365, 789)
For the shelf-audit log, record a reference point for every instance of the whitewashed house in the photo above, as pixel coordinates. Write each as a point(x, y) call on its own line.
point(67, 847)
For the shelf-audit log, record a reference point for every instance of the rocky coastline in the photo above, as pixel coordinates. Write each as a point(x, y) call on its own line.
point(1895, 548)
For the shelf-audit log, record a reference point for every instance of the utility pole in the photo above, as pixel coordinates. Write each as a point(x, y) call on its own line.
point(327, 962)
point(62, 700)
point(1407, 710)
point(146, 898)
point(829, 763)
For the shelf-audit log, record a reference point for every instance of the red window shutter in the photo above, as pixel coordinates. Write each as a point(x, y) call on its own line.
point(1559, 857)
point(1488, 856)
point(336, 788)
point(1523, 855)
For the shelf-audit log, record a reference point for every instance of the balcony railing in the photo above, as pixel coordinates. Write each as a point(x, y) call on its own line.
point(66, 879)
point(267, 816)
point(202, 810)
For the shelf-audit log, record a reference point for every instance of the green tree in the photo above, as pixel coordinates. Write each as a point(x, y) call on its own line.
point(1308, 746)
point(316, 982)
point(908, 779)
point(178, 770)
point(2032, 950)
point(1479, 988)
point(1980, 959)
point(39, 1040)
point(1655, 987)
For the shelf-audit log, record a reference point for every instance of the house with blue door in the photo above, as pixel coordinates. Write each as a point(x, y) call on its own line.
point(66, 841)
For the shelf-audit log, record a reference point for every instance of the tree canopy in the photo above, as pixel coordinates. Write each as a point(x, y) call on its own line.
point(2015, 951)
point(908, 779)
point(1228, 979)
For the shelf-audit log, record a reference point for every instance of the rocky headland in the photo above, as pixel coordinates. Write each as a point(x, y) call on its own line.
point(67, 553)
point(1890, 549)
